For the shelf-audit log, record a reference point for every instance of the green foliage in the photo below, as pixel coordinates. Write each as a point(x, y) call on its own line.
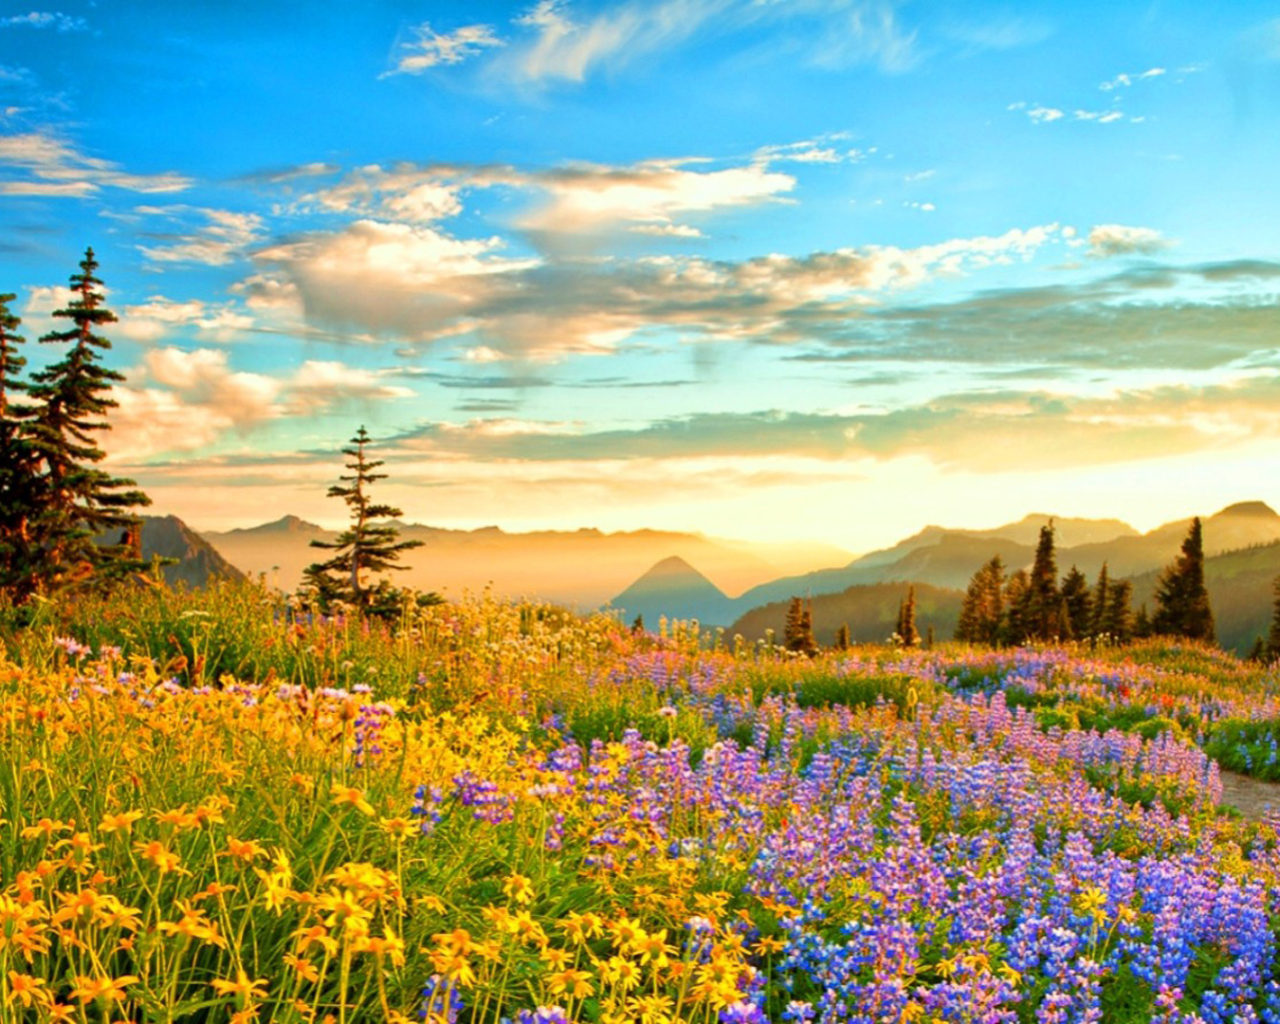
point(1248, 747)
point(798, 636)
point(982, 614)
point(55, 503)
point(1273, 638)
point(906, 630)
point(1182, 600)
point(365, 548)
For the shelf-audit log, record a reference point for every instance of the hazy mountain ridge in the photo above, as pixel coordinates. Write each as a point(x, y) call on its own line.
point(1242, 544)
point(579, 568)
point(936, 555)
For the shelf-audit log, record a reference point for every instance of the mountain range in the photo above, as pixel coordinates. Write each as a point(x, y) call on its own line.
point(655, 573)
point(1242, 546)
point(580, 569)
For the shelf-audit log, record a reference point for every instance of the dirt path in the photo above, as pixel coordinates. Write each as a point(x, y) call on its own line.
point(1250, 797)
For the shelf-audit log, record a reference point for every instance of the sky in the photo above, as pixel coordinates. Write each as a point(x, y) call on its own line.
point(768, 269)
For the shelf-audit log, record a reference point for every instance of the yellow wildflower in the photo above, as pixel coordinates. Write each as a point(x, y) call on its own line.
point(349, 796)
point(242, 988)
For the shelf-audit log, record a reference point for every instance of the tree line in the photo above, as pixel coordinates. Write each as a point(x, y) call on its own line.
point(58, 508)
point(1034, 605)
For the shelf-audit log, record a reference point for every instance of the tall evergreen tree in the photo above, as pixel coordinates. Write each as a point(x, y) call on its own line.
point(78, 502)
point(1182, 600)
point(1117, 623)
point(1101, 602)
point(1043, 603)
point(17, 469)
point(982, 610)
point(843, 640)
point(1273, 638)
point(1079, 604)
point(907, 619)
point(366, 547)
point(1013, 628)
point(1141, 624)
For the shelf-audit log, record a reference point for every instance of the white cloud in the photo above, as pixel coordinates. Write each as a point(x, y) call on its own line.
point(582, 199)
point(385, 277)
point(1043, 115)
point(592, 198)
point(41, 164)
point(55, 20)
point(422, 286)
point(179, 400)
point(151, 321)
point(666, 230)
point(224, 236)
point(1124, 80)
point(1100, 116)
point(407, 193)
point(835, 33)
point(428, 48)
point(1118, 240)
point(824, 149)
point(483, 354)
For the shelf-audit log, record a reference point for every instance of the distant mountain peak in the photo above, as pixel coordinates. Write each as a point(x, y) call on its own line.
point(1249, 508)
point(288, 522)
point(672, 570)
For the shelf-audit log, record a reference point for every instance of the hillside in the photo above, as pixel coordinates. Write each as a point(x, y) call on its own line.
point(871, 612)
point(1243, 525)
point(1240, 593)
point(677, 590)
point(197, 562)
point(948, 558)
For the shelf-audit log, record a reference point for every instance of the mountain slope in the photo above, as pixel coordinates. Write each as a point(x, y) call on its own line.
point(943, 557)
point(871, 613)
point(197, 562)
point(1240, 593)
point(677, 590)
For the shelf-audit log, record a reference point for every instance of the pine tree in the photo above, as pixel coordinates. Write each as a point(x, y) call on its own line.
point(17, 465)
point(1079, 604)
point(1141, 624)
point(982, 610)
point(366, 547)
point(1101, 602)
point(1014, 625)
point(809, 645)
point(1043, 603)
point(843, 640)
point(798, 632)
point(1118, 620)
point(907, 620)
point(1273, 638)
point(78, 502)
point(791, 629)
point(1062, 621)
point(1182, 600)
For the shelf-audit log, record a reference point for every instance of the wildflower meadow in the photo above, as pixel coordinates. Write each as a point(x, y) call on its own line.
point(220, 807)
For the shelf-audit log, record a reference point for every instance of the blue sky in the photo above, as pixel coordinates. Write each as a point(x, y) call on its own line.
point(833, 268)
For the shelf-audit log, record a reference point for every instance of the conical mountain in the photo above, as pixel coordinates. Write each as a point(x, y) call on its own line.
point(676, 589)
